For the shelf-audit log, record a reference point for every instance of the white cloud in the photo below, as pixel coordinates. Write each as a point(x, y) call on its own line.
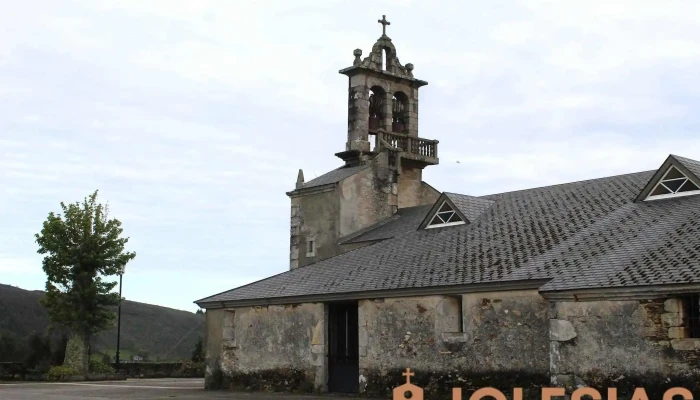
point(192, 118)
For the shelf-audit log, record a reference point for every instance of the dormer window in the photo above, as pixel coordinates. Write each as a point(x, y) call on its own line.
point(446, 216)
point(674, 183)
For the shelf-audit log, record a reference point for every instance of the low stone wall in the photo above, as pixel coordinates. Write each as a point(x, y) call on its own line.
point(17, 372)
point(161, 370)
point(11, 371)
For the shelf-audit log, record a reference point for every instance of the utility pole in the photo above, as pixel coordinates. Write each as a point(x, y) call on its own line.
point(119, 318)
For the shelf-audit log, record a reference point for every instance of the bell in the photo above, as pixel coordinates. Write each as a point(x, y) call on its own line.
point(397, 126)
point(373, 122)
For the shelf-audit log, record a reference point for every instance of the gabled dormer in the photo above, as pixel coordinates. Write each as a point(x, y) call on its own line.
point(677, 177)
point(452, 209)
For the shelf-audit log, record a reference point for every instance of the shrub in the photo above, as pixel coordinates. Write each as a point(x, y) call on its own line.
point(98, 367)
point(56, 373)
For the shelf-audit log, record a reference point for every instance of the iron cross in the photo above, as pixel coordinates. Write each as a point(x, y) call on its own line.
point(384, 23)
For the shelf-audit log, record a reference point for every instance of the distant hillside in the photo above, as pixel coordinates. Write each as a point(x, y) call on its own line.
point(155, 332)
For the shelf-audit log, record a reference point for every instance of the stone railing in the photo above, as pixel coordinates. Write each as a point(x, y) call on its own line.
point(418, 147)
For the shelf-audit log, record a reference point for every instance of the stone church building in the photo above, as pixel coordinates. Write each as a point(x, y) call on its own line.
point(592, 283)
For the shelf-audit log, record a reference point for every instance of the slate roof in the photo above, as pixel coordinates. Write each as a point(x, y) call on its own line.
point(587, 234)
point(692, 165)
point(334, 176)
point(470, 206)
point(406, 220)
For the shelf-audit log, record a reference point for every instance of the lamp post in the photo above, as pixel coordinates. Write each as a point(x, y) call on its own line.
point(119, 317)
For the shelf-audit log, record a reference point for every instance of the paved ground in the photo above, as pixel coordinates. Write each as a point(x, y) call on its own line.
point(137, 389)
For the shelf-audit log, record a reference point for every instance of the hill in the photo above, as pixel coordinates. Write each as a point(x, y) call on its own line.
point(154, 332)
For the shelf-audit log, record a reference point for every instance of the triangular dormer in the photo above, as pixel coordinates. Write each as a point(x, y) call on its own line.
point(677, 176)
point(446, 215)
point(455, 209)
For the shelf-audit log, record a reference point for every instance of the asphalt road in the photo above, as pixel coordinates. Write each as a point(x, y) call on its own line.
point(135, 389)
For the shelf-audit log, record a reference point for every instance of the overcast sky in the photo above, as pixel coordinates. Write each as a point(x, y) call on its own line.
point(193, 117)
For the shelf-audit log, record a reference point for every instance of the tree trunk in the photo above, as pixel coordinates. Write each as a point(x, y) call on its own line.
point(77, 352)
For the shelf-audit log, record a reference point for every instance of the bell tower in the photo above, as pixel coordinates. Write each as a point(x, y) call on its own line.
point(383, 161)
point(383, 110)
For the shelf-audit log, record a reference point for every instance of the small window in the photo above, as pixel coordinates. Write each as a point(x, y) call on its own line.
point(674, 183)
point(310, 248)
point(445, 216)
point(692, 314)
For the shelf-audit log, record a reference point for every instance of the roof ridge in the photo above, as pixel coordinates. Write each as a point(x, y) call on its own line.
point(566, 183)
point(684, 158)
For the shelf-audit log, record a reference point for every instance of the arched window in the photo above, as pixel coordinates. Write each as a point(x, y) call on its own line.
point(399, 116)
point(376, 108)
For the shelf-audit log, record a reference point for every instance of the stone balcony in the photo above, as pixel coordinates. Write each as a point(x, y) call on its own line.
point(422, 151)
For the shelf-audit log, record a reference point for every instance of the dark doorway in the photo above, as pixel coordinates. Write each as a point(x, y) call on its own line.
point(343, 357)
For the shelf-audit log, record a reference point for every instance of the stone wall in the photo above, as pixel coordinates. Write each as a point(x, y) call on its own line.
point(161, 370)
point(367, 197)
point(314, 216)
point(412, 191)
point(274, 348)
point(213, 337)
point(623, 344)
point(500, 340)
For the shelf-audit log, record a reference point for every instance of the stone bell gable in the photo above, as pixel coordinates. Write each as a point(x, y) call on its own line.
point(383, 160)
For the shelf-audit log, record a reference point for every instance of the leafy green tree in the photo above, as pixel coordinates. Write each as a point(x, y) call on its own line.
point(198, 352)
point(58, 350)
point(81, 247)
point(11, 348)
point(38, 355)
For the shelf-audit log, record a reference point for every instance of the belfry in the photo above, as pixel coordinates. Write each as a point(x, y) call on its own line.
point(383, 159)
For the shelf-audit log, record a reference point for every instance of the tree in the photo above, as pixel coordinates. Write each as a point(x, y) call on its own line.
point(58, 350)
point(200, 312)
point(81, 248)
point(38, 355)
point(198, 352)
point(11, 348)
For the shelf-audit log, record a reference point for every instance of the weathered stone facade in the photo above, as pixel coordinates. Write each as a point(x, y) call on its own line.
point(277, 347)
point(623, 344)
point(500, 339)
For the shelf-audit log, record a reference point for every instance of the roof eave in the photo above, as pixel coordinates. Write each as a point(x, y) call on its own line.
point(374, 294)
point(641, 292)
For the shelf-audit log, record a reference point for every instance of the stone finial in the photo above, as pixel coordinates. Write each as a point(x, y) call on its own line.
point(300, 178)
point(409, 67)
point(357, 53)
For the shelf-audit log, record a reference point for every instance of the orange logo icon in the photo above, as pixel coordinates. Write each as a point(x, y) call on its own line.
point(408, 390)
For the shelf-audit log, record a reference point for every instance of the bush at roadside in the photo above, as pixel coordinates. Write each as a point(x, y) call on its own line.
point(58, 372)
point(98, 367)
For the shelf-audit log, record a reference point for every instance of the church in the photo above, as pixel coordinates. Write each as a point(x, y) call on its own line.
point(590, 283)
